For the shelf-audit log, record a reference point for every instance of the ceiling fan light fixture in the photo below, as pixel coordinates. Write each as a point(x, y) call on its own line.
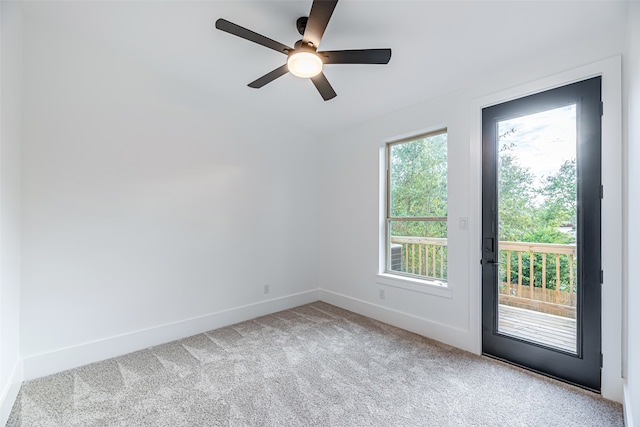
point(303, 59)
point(304, 64)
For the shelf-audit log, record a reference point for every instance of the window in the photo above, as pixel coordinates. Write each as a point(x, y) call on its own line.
point(416, 211)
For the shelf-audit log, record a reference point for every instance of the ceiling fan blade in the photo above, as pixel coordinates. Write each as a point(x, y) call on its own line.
point(324, 87)
point(269, 77)
point(321, 11)
point(359, 56)
point(237, 30)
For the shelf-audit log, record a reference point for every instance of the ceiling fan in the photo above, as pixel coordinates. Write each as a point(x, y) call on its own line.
point(304, 60)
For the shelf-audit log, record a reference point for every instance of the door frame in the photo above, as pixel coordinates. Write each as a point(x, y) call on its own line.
point(610, 70)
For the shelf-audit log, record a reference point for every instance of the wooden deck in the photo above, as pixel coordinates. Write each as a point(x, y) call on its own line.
point(547, 329)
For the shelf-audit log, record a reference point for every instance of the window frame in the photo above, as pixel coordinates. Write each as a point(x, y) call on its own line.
point(394, 277)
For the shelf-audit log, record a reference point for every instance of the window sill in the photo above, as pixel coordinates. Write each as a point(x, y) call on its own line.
point(428, 287)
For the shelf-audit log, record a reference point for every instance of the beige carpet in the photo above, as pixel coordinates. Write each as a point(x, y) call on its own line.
point(315, 365)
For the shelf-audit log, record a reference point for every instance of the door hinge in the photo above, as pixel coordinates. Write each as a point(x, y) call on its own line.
point(601, 108)
point(601, 277)
point(601, 360)
point(601, 192)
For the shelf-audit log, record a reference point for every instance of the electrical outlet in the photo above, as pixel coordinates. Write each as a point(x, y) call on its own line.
point(381, 294)
point(266, 289)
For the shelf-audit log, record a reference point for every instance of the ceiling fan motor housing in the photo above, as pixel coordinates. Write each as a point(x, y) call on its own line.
point(300, 46)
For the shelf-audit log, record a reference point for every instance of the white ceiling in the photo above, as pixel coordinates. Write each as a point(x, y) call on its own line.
point(438, 46)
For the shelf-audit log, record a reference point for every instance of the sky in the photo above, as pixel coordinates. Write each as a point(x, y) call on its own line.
point(543, 141)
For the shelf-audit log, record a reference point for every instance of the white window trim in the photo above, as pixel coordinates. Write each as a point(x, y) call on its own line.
point(430, 287)
point(425, 286)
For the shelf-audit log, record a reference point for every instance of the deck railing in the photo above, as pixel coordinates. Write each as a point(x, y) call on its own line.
point(424, 256)
point(537, 276)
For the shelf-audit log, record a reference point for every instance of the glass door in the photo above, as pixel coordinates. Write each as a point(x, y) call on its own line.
point(541, 232)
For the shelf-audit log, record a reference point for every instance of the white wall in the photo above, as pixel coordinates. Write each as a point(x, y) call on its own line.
point(10, 136)
point(350, 222)
point(151, 211)
point(350, 201)
point(632, 80)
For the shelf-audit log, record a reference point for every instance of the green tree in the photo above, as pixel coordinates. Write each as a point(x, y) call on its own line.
point(515, 186)
point(419, 177)
point(560, 192)
point(419, 185)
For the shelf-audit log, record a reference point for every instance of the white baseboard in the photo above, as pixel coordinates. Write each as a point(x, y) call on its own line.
point(447, 334)
point(627, 407)
point(82, 354)
point(10, 392)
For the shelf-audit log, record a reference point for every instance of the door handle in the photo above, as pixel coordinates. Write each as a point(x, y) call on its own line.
point(488, 262)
